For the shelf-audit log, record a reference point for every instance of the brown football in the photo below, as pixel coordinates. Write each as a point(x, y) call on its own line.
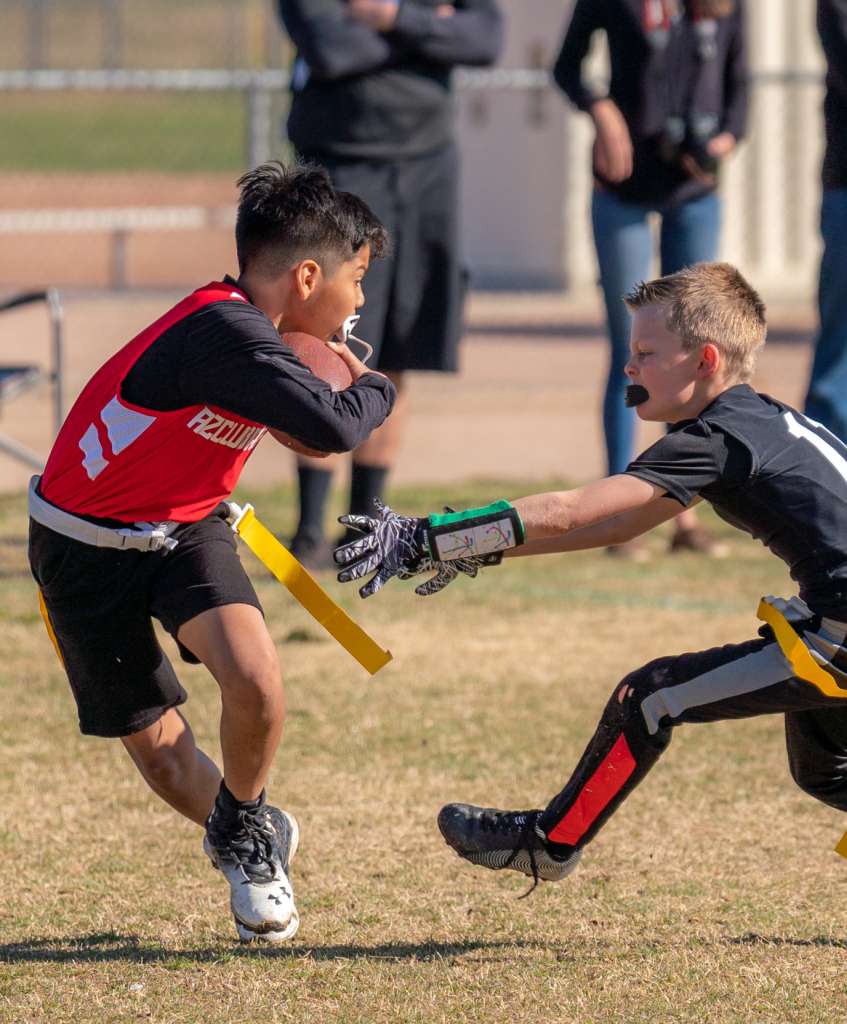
point(320, 359)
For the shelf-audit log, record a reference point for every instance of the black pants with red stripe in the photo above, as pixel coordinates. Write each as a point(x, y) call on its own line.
point(735, 681)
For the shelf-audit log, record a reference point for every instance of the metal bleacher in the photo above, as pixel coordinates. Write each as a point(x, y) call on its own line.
point(17, 378)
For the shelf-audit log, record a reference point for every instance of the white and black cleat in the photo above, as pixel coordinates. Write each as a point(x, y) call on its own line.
point(254, 855)
point(503, 839)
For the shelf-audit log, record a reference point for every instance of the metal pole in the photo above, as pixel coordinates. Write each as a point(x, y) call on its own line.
point(259, 123)
point(20, 452)
point(37, 34)
point(54, 304)
point(232, 35)
point(113, 33)
point(120, 243)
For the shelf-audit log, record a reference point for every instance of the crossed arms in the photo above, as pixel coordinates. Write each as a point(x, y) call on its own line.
point(336, 38)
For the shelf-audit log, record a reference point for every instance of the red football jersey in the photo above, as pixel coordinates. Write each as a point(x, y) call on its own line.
point(116, 460)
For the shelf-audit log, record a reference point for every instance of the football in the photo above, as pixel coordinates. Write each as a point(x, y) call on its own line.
point(320, 359)
point(324, 363)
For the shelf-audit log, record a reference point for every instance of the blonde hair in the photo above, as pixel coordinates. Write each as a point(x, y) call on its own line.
point(710, 302)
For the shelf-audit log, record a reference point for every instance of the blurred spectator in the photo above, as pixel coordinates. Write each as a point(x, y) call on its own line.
point(371, 101)
point(827, 397)
point(676, 105)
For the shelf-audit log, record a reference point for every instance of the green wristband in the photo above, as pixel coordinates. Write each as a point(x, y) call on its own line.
point(474, 532)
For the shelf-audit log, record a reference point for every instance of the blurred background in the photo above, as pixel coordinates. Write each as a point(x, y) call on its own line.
point(124, 125)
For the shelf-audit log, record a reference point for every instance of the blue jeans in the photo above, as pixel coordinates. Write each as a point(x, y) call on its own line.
point(624, 244)
point(826, 401)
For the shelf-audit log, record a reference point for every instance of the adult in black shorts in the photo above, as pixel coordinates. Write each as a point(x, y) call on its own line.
point(767, 470)
point(371, 101)
point(128, 521)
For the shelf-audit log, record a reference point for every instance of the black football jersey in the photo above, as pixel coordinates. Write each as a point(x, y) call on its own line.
point(772, 472)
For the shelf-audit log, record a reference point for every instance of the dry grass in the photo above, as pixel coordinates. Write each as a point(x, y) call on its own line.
point(713, 895)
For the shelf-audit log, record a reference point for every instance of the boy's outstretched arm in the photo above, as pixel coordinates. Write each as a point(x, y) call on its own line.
point(617, 530)
point(559, 512)
point(395, 545)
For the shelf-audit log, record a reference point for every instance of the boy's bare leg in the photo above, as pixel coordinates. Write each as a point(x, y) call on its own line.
point(174, 767)
point(234, 644)
point(250, 841)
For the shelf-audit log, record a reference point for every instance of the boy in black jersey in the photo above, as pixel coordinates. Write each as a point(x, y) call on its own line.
point(765, 468)
point(129, 521)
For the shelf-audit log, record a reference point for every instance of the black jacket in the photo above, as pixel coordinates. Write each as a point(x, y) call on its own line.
point(832, 27)
point(656, 76)
point(361, 94)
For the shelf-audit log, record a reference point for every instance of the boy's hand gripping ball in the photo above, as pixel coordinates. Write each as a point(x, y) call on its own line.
point(324, 362)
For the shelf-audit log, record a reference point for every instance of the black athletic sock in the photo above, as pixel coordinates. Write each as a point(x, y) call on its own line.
point(366, 483)
point(227, 802)
point(314, 487)
point(227, 806)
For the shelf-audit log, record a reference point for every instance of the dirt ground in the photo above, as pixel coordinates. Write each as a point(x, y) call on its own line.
point(525, 405)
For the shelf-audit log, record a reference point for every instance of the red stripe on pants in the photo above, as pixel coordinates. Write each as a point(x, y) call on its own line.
point(606, 782)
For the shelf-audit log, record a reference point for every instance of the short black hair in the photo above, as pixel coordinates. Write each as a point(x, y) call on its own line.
point(288, 214)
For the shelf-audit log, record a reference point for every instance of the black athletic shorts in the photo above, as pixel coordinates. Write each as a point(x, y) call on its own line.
point(99, 602)
point(414, 296)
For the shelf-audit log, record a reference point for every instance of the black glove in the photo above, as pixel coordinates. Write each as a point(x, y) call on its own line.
point(395, 545)
point(449, 544)
point(389, 543)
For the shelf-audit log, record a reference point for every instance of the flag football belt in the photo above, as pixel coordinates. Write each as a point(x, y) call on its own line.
point(783, 617)
point(306, 589)
point(778, 614)
point(141, 537)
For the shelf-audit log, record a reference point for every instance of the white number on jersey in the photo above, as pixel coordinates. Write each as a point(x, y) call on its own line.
point(829, 451)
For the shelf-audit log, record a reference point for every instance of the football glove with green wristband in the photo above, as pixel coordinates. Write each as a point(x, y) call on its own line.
point(447, 544)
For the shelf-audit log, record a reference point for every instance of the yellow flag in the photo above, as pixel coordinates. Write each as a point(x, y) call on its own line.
point(306, 589)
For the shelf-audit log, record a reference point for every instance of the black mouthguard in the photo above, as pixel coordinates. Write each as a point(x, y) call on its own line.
point(636, 395)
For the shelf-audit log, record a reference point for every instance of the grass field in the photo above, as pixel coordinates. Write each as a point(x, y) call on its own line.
point(713, 896)
point(76, 131)
point(69, 132)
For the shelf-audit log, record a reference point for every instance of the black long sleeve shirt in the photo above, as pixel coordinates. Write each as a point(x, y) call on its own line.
point(832, 28)
point(362, 94)
point(229, 354)
point(657, 75)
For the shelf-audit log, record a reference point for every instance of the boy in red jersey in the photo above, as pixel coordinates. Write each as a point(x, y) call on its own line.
point(128, 521)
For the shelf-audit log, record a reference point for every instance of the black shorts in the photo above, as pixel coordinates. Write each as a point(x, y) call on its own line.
point(99, 602)
point(413, 312)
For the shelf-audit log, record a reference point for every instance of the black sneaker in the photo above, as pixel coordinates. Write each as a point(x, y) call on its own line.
point(254, 853)
point(503, 839)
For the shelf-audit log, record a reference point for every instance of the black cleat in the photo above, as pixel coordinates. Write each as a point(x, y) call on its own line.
point(503, 839)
